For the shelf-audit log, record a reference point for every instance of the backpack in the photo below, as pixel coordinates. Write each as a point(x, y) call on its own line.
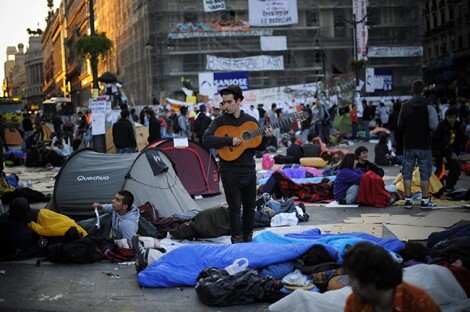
point(268, 162)
point(69, 124)
point(176, 126)
point(83, 250)
point(148, 211)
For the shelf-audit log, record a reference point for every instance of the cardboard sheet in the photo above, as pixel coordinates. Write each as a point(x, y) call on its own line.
point(412, 232)
point(436, 219)
point(374, 229)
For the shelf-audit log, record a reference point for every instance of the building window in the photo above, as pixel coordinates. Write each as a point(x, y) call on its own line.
point(227, 15)
point(459, 43)
point(190, 17)
point(311, 18)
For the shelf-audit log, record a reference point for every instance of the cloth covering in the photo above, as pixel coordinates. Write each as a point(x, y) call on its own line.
point(372, 191)
point(50, 223)
point(181, 266)
point(434, 184)
point(308, 192)
point(437, 281)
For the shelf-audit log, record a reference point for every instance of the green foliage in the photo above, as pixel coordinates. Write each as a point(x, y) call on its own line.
point(94, 46)
point(357, 64)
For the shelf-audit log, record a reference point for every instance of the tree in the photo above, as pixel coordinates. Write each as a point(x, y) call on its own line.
point(96, 48)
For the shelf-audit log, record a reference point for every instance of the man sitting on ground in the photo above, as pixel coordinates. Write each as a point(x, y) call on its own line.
point(365, 165)
point(295, 151)
point(311, 149)
point(125, 216)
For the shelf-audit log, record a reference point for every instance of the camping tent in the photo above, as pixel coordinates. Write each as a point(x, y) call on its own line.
point(13, 136)
point(195, 166)
point(88, 176)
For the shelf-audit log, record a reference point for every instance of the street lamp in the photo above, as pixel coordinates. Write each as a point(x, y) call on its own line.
point(355, 64)
point(160, 40)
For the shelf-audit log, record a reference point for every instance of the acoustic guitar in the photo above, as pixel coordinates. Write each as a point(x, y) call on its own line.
point(250, 134)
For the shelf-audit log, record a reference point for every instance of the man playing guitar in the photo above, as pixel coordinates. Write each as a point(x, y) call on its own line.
point(236, 135)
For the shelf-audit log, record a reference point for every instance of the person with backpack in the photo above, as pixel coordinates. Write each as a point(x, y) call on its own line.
point(201, 123)
point(320, 118)
point(181, 127)
point(154, 126)
point(125, 215)
point(123, 134)
point(68, 130)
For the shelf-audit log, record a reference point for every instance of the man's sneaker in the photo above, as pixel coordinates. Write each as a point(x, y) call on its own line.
point(140, 253)
point(430, 205)
point(408, 204)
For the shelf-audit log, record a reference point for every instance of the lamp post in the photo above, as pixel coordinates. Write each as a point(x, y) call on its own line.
point(356, 64)
point(99, 140)
point(159, 40)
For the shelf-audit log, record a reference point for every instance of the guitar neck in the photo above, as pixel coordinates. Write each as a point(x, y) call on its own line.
point(274, 125)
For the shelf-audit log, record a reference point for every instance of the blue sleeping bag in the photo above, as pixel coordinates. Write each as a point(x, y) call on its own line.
point(180, 267)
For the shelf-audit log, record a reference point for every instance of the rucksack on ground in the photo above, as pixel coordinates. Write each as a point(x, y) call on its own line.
point(83, 250)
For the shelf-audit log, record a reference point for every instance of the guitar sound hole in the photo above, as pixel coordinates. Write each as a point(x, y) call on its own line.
point(246, 136)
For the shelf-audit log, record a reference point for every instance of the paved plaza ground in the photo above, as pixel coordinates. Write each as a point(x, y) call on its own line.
point(113, 287)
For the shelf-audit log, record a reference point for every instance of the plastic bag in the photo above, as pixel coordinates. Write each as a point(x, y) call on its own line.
point(296, 278)
point(282, 219)
point(238, 265)
point(215, 288)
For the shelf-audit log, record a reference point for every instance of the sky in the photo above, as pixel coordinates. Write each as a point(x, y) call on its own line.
point(15, 17)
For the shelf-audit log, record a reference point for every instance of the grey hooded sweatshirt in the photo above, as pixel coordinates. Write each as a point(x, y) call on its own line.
point(124, 226)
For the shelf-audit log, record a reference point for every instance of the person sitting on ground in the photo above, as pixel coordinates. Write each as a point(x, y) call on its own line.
point(447, 142)
point(377, 283)
point(383, 155)
point(17, 239)
point(346, 184)
point(125, 216)
point(365, 165)
point(295, 150)
point(61, 147)
point(311, 149)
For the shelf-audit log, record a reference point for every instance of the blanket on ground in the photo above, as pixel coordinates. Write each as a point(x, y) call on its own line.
point(307, 192)
point(181, 266)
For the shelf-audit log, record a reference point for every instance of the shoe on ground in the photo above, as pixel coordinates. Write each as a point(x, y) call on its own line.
point(448, 190)
point(430, 205)
point(140, 253)
point(408, 204)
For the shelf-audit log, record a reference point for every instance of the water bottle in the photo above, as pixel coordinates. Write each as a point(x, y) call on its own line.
point(30, 184)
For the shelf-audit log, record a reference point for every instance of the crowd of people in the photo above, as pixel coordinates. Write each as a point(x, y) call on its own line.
point(415, 134)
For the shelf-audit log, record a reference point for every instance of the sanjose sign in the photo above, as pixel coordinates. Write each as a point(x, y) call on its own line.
point(92, 178)
point(223, 80)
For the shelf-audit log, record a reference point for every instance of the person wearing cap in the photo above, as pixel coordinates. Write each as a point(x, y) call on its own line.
point(201, 123)
point(239, 175)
